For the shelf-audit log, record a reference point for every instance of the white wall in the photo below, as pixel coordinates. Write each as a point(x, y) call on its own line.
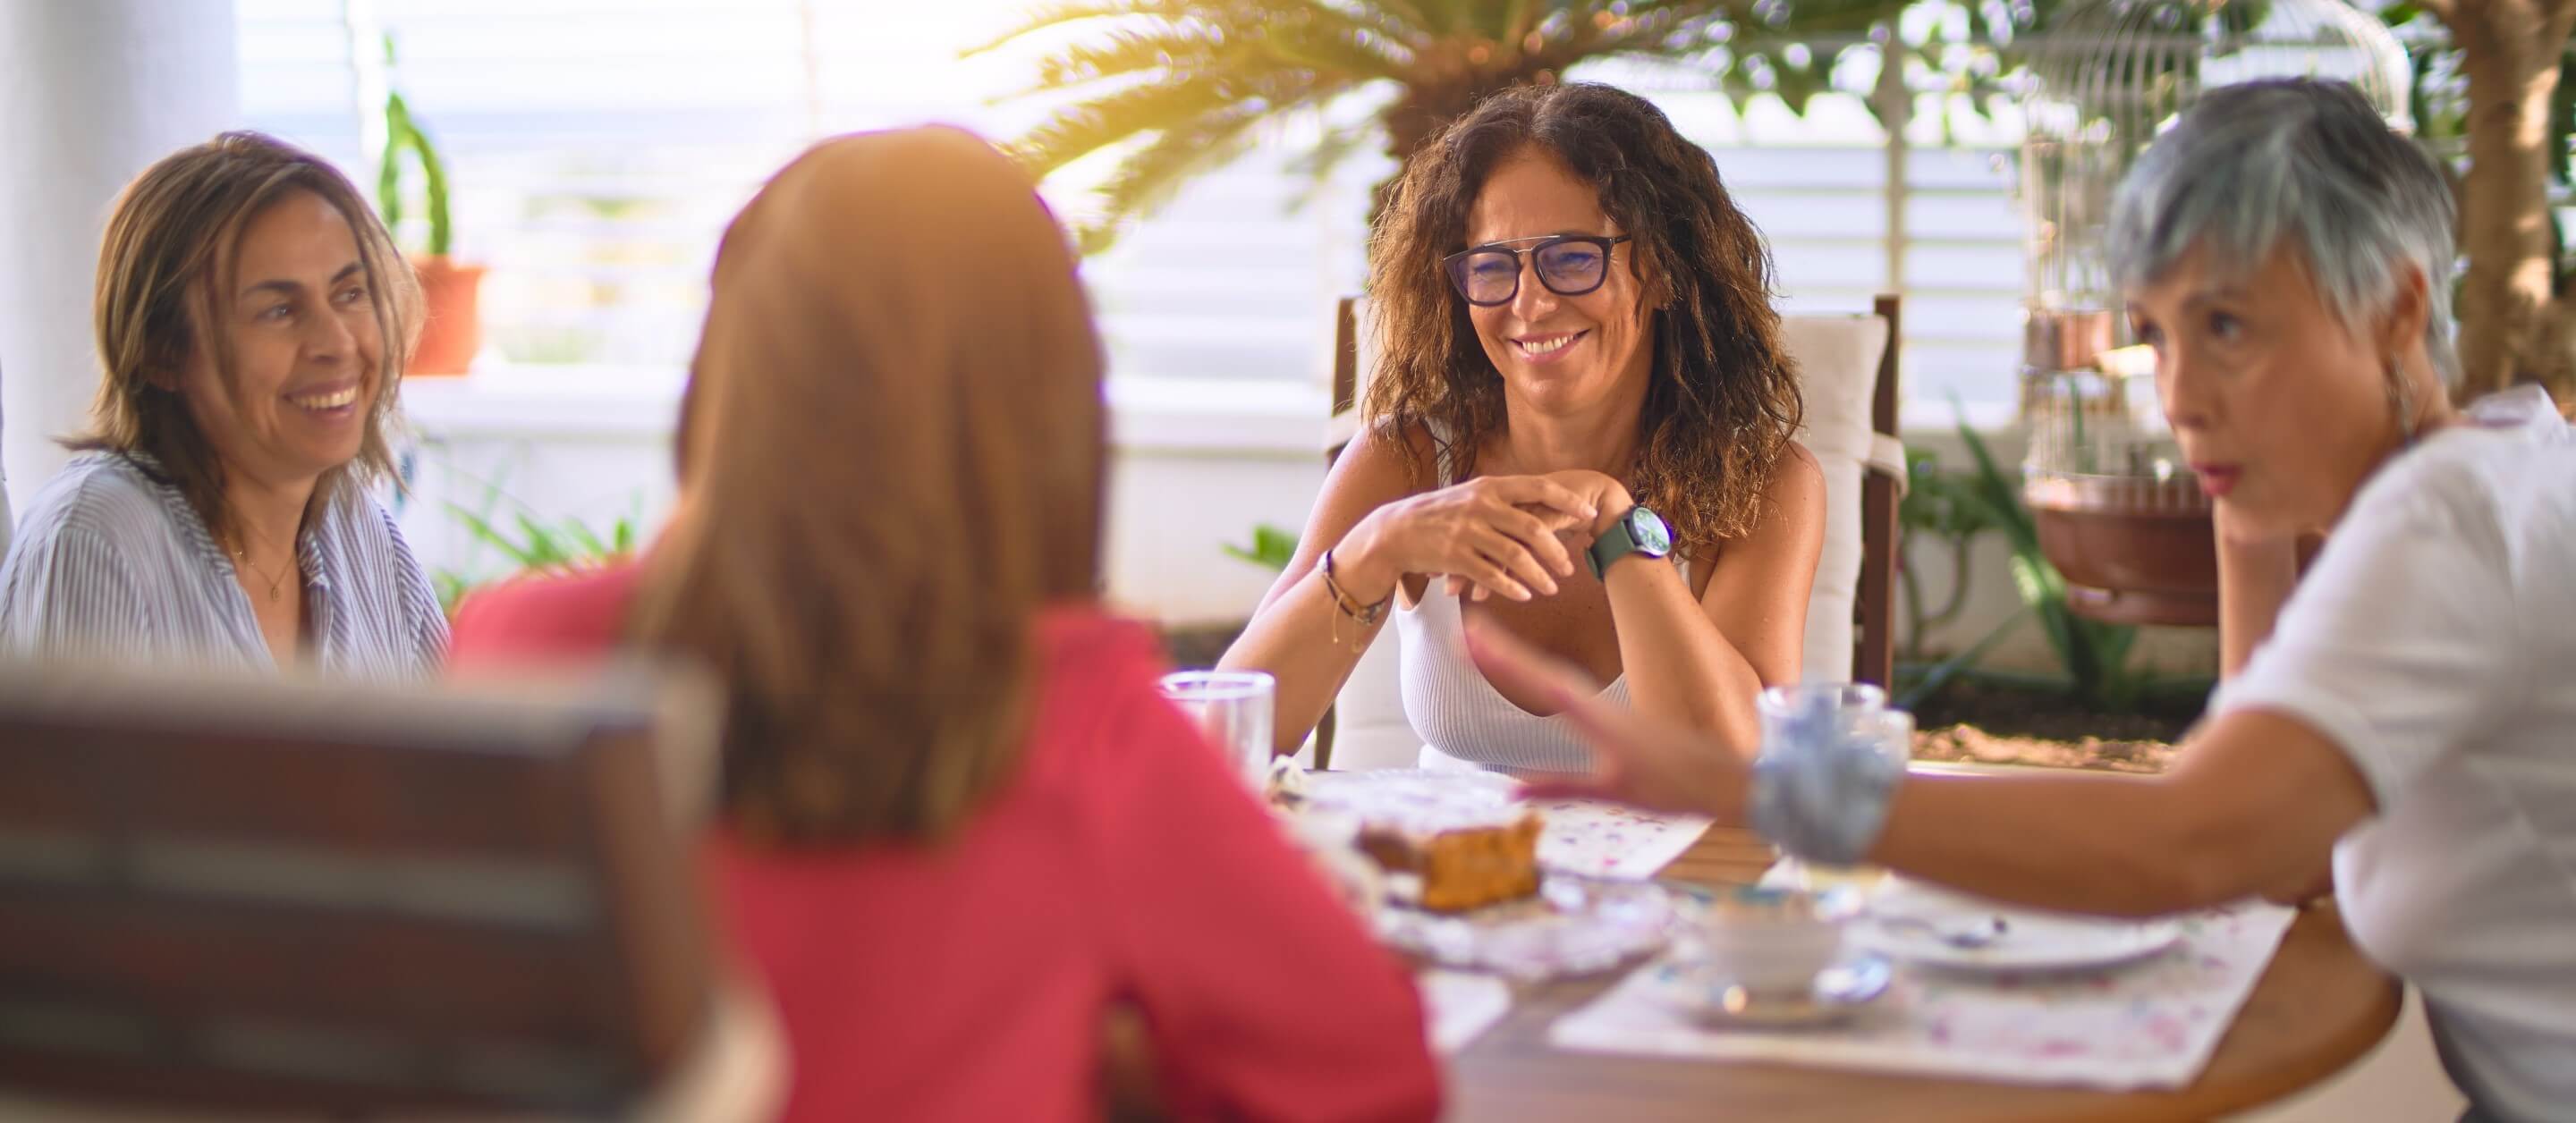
point(91, 93)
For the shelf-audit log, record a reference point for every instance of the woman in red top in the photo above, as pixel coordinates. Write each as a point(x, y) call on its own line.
point(960, 826)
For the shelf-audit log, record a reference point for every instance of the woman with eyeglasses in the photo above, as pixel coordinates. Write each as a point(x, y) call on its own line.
point(1578, 432)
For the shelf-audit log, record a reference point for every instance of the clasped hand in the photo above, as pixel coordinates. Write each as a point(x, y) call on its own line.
point(1508, 536)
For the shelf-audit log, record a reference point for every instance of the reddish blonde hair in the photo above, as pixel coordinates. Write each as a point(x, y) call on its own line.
point(892, 454)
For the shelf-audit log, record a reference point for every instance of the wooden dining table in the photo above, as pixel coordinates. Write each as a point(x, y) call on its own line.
point(2317, 1007)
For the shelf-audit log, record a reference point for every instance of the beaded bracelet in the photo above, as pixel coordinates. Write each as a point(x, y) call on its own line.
point(1344, 604)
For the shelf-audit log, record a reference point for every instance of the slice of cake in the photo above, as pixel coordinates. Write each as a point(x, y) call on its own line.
point(1452, 843)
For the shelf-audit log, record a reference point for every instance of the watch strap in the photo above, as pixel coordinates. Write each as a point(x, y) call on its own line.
point(1615, 543)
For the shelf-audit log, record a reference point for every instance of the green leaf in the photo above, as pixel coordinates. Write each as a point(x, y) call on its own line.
point(403, 134)
point(1123, 53)
point(1335, 55)
point(584, 540)
point(451, 587)
point(541, 543)
point(1148, 177)
point(1272, 548)
point(1096, 123)
point(389, 204)
point(483, 531)
point(1057, 15)
point(1942, 672)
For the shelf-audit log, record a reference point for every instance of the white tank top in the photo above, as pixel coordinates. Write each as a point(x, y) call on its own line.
point(1459, 715)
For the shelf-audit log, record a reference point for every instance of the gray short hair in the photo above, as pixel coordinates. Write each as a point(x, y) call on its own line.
point(2304, 160)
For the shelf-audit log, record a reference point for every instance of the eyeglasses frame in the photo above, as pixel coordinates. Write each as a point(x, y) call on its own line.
point(1606, 242)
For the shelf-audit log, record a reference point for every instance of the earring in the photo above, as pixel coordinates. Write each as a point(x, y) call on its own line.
point(2401, 401)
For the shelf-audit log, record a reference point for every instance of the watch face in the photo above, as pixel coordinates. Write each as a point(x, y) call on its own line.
point(1653, 538)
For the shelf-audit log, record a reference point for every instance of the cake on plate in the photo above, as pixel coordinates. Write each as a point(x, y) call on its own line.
point(1449, 843)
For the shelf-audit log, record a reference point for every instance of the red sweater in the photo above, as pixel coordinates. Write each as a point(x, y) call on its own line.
point(969, 981)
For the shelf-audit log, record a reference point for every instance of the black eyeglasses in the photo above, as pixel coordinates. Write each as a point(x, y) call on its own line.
point(1568, 264)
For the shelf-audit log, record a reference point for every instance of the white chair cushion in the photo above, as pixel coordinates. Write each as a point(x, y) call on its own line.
point(1837, 359)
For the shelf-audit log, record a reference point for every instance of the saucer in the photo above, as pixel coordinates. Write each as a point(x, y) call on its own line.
point(1840, 991)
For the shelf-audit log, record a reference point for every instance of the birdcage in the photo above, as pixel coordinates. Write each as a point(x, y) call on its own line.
point(2117, 512)
point(2110, 75)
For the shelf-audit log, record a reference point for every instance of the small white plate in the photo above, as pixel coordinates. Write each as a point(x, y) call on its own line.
point(1574, 926)
point(1708, 997)
point(1916, 924)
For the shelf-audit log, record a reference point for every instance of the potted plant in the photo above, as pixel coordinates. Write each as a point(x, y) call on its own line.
point(450, 291)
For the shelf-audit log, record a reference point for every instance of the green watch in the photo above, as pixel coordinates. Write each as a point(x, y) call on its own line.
point(1640, 531)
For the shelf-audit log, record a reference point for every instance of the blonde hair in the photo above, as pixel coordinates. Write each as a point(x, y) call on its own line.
point(892, 455)
point(172, 241)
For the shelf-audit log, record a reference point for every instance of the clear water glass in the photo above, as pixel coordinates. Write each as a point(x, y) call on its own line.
point(1234, 709)
point(1853, 707)
point(1858, 711)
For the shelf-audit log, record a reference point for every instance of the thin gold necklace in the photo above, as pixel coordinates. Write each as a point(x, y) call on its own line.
point(275, 584)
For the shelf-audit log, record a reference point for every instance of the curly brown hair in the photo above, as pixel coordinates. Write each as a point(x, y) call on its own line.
point(1725, 396)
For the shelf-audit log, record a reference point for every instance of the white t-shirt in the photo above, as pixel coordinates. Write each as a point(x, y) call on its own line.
point(2435, 643)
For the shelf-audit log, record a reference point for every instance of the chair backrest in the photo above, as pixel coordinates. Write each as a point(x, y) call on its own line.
point(324, 897)
point(1847, 368)
point(1847, 365)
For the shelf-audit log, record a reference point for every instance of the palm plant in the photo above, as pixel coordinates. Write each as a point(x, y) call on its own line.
point(1195, 79)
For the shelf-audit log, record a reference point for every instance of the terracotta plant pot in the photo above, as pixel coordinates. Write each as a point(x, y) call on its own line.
point(2133, 550)
point(453, 329)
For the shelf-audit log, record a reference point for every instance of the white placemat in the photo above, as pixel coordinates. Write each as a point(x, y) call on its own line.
point(2150, 1025)
point(1459, 1007)
point(1607, 840)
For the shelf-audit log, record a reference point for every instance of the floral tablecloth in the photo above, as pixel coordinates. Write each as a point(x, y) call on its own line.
point(2152, 1024)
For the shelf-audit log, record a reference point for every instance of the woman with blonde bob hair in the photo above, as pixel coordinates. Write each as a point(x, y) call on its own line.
point(253, 321)
point(960, 825)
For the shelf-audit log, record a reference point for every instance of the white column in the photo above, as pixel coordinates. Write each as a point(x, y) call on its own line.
point(91, 93)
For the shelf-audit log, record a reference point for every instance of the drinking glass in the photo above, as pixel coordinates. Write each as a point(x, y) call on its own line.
point(1853, 708)
point(1857, 711)
point(1234, 709)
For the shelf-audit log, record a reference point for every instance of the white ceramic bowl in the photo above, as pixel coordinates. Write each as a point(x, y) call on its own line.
point(1772, 940)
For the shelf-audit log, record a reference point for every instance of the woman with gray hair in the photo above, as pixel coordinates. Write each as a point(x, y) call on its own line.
point(2287, 256)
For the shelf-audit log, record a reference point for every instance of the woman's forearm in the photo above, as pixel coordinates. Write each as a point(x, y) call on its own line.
point(1308, 644)
point(1680, 667)
point(2254, 807)
point(2076, 842)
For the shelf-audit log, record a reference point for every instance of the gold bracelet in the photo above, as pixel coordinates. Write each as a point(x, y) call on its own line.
point(1344, 604)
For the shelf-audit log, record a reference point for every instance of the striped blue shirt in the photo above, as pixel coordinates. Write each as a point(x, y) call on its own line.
point(111, 560)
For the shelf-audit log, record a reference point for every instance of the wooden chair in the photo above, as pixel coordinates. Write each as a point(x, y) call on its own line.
point(1865, 438)
point(302, 897)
